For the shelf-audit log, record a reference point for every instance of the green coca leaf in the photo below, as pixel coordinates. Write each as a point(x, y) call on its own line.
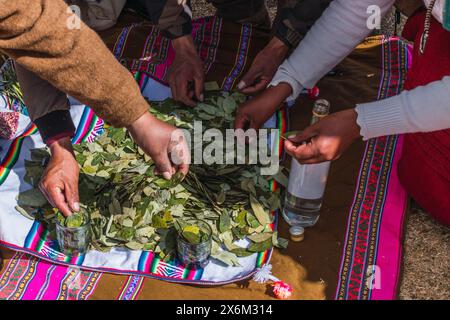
point(260, 237)
point(242, 252)
point(32, 198)
point(224, 222)
point(25, 213)
point(76, 220)
point(261, 214)
point(261, 246)
point(192, 237)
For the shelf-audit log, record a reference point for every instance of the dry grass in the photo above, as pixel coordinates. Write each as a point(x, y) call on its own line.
point(426, 262)
point(426, 272)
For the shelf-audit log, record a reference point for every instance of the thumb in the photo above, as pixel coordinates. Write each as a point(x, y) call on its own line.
point(304, 136)
point(241, 121)
point(248, 79)
point(178, 149)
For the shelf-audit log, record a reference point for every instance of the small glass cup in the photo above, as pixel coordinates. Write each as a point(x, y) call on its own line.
point(195, 255)
point(74, 240)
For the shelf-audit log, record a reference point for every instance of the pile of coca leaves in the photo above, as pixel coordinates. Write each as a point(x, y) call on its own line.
point(129, 206)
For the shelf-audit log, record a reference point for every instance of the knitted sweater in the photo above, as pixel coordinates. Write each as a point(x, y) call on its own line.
point(37, 34)
point(341, 28)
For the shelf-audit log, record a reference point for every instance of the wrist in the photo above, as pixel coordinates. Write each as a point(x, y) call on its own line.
point(145, 121)
point(61, 146)
point(184, 44)
point(64, 135)
point(278, 48)
point(276, 95)
point(280, 91)
point(353, 116)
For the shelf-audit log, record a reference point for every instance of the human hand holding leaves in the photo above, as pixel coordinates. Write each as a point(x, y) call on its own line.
point(59, 182)
point(164, 143)
point(326, 140)
point(186, 69)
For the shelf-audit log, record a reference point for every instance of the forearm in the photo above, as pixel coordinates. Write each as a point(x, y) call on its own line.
point(423, 109)
point(340, 29)
point(35, 34)
point(40, 96)
point(47, 106)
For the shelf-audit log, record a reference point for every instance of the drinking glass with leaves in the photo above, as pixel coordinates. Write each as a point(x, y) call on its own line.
point(194, 240)
point(73, 232)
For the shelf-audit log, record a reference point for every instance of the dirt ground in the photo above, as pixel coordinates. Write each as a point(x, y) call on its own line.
point(426, 271)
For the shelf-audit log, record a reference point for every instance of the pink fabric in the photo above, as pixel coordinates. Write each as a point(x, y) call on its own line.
point(29, 278)
point(372, 251)
point(38, 281)
point(387, 275)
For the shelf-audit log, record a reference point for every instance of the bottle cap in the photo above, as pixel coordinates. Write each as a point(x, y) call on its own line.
point(297, 233)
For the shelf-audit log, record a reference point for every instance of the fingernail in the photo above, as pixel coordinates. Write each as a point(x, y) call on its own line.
point(241, 85)
point(76, 206)
point(167, 175)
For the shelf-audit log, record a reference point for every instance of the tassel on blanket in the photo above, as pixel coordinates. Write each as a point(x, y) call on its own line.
point(264, 274)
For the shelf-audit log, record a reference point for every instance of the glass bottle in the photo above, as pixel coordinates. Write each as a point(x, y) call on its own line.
point(307, 183)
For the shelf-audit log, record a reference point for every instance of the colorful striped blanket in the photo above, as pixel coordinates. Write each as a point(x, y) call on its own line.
point(355, 250)
point(26, 277)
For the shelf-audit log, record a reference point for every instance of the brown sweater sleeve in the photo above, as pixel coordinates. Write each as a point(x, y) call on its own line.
point(37, 35)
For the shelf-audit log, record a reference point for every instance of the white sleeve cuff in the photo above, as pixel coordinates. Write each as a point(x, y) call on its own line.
point(282, 76)
point(381, 118)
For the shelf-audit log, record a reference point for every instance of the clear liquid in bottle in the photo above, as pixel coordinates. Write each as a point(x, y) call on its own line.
point(307, 183)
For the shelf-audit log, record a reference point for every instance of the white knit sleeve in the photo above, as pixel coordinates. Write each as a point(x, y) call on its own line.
point(340, 29)
point(422, 109)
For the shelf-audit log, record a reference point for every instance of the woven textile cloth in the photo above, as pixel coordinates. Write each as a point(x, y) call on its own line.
point(354, 252)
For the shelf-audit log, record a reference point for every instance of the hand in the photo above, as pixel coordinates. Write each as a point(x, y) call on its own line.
point(187, 69)
point(326, 140)
point(165, 144)
point(255, 112)
point(59, 182)
point(264, 67)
